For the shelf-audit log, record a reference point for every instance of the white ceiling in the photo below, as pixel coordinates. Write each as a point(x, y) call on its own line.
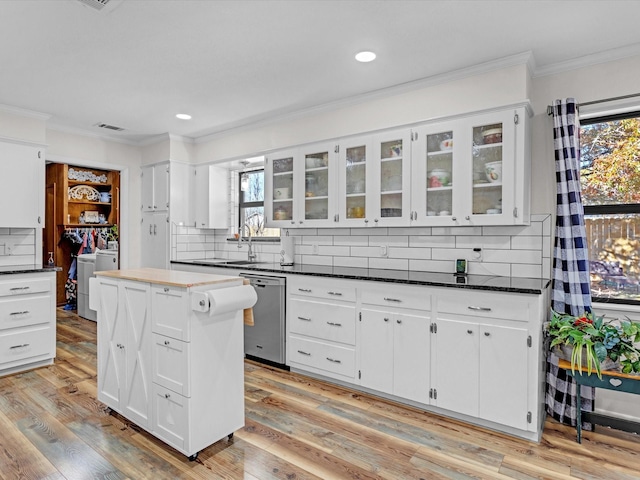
point(233, 63)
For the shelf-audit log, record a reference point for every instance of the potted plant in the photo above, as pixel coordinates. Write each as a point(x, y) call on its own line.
point(590, 341)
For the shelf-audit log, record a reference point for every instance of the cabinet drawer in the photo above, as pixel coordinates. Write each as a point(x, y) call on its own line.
point(171, 416)
point(416, 298)
point(171, 364)
point(324, 289)
point(331, 358)
point(24, 287)
point(170, 312)
point(26, 344)
point(486, 305)
point(20, 311)
point(327, 321)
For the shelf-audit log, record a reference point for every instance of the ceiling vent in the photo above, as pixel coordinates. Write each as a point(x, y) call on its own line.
point(109, 127)
point(101, 5)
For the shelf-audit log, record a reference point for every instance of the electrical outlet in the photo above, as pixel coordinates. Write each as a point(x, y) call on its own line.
point(315, 249)
point(384, 251)
point(477, 254)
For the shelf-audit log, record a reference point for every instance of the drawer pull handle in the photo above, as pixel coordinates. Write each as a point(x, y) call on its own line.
point(167, 342)
point(19, 346)
point(304, 318)
point(166, 290)
point(386, 319)
point(469, 332)
point(166, 395)
point(389, 299)
point(19, 313)
point(337, 294)
point(304, 353)
point(487, 334)
point(306, 290)
point(333, 360)
point(14, 289)
point(334, 324)
point(398, 321)
point(480, 309)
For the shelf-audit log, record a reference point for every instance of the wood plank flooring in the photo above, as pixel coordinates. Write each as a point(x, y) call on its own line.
point(52, 427)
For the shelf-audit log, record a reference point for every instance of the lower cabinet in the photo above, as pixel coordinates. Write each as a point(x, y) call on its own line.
point(473, 355)
point(27, 321)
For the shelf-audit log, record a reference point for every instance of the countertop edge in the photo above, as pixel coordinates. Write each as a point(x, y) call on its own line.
point(270, 268)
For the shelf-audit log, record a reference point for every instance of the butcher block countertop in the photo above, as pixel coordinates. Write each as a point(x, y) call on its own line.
point(173, 278)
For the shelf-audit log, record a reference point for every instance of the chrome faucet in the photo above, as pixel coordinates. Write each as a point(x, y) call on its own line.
point(251, 256)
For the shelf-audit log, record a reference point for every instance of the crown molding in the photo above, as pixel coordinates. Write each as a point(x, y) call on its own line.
point(588, 60)
point(24, 112)
point(275, 117)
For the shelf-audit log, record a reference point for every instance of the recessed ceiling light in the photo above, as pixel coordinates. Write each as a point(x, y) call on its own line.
point(365, 57)
point(183, 116)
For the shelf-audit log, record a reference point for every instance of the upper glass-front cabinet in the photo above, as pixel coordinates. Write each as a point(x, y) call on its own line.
point(354, 181)
point(319, 184)
point(466, 172)
point(280, 189)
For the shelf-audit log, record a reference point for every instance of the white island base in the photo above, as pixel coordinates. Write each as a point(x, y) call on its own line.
point(176, 372)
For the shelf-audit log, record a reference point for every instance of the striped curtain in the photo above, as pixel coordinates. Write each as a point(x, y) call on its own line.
point(571, 291)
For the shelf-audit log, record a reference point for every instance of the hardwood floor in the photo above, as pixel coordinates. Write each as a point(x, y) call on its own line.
point(52, 427)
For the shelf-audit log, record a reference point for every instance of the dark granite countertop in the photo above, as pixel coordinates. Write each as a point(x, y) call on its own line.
point(534, 286)
point(13, 269)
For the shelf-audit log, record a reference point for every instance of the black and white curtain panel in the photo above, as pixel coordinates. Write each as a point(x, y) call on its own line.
point(571, 291)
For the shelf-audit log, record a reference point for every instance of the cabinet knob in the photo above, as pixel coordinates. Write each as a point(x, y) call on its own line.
point(166, 395)
point(398, 321)
point(467, 217)
point(300, 222)
point(292, 222)
point(453, 219)
point(375, 220)
point(366, 221)
point(166, 290)
point(469, 332)
point(386, 319)
point(166, 342)
point(487, 334)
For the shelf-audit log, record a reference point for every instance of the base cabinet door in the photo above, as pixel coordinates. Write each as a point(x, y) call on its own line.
point(455, 366)
point(376, 350)
point(124, 356)
point(171, 416)
point(411, 357)
point(503, 375)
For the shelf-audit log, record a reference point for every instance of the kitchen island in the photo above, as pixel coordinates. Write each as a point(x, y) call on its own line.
point(170, 352)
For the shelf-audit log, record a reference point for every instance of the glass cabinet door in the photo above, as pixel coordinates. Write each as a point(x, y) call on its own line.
point(487, 153)
point(279, 208)
point(439, 174)
point(316, 185)
point(356, 166)
point(393, 164)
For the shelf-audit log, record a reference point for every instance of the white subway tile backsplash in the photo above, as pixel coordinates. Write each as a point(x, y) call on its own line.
point(522, 251)
point(17, 246)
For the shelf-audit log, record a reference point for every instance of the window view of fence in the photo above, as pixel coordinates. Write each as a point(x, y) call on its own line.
point(610, 181)
point(251, 203)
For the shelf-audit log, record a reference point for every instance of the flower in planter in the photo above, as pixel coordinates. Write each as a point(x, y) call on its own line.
point(597, 340)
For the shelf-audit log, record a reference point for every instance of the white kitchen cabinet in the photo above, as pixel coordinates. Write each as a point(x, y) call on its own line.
point(474, 170)
point(210, 197)
point(124, 348)
point(155, 187)
point(394, 341)
point(356, 180)
point(321, 327)
point(481, 361)
point(282, 189)
point(27, 321)
point(186, 386)
point(154, 233)
point(21, 165)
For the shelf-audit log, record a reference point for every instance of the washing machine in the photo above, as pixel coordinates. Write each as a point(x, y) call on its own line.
point(86, 267)
point(106, 260)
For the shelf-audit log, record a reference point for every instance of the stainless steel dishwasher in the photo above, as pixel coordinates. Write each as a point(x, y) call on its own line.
point(265, 340)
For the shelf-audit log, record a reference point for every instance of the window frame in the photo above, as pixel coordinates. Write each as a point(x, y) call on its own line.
point(242, 204)
point(614, 208)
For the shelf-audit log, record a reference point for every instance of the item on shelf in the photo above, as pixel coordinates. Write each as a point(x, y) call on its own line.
point(280, 214)
point(84, 192)
point(105, 197)
point(444, 213)
point(439, 178)
point(91, 216)
point(396, 150)
point(357, 212)
point(493, 171)
point(390, 212)
point(446, 144)
point(315, 162)
point(493, 135)
point(281, 193)
point(86, 176)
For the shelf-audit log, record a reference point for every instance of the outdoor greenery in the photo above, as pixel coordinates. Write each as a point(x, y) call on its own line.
point(598, 339)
